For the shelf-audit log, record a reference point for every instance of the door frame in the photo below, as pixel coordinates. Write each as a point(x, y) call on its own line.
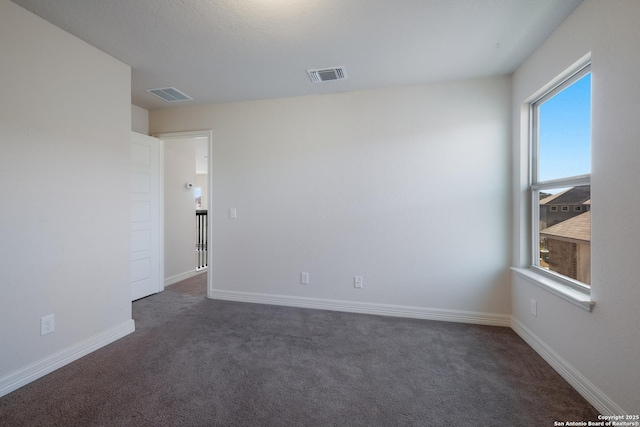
point(207, 133)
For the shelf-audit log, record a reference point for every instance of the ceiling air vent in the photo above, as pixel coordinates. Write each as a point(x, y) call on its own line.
point(170, 94)
point(327, 74)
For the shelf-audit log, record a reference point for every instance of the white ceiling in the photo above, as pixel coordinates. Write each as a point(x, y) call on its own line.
point(235, 50)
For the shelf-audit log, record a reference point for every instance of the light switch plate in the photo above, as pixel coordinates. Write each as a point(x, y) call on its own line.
point(357, 282)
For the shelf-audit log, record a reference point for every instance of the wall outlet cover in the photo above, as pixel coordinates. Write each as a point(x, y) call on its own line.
point(304, 278)
point(47, 324)
point(534, 308)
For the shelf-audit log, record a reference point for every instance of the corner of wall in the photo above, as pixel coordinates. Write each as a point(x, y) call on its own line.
point(139, 120)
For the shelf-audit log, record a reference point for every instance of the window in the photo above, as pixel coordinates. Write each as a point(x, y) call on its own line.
point(197, 192)
point(561, 175)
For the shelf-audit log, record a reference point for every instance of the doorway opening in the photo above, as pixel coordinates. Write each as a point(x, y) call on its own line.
point(187, 189)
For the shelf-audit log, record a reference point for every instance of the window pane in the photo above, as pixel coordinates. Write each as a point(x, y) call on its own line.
point(565, 232)
point(564, 138)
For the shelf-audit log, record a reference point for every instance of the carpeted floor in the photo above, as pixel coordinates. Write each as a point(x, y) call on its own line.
point(199, 362)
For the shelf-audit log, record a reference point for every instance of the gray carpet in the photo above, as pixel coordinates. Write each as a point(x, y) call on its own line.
point(198, 362)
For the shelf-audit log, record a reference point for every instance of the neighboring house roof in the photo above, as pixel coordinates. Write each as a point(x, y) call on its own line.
point(576, 229)
point(572, 196)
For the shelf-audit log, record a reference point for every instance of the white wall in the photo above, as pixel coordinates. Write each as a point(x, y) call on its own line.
point(407, 187)
point(179, 209)
point(603, 346)
point(65, 119)
point(202, 181)
point(139, 120)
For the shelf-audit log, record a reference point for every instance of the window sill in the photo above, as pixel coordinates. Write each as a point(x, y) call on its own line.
point(581, 299)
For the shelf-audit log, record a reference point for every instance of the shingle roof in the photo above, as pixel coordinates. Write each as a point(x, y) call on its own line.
point(572, 196)
point(576, 229)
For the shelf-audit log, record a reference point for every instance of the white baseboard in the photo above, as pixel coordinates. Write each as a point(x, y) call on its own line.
point(590, 392)
point(366, 308)
point(36, 370)
point(183, 276)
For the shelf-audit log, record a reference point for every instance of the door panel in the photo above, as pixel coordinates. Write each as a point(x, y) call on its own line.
point(146, 274)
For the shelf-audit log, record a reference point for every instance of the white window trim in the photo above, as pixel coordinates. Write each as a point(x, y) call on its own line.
point(572, 291)
point(555, 286)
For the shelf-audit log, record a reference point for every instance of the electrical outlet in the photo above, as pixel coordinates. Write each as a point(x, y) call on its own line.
point(357, 282)
point(304, 278)
point(47, 324)
point(534, 308)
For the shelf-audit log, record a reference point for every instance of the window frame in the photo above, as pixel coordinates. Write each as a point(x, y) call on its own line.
point(536, 186)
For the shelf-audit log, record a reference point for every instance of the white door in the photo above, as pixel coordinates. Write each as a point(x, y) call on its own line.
point(146, 225)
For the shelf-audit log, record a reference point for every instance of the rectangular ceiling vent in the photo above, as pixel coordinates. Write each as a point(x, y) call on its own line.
point(170, 94)
point(327, 74)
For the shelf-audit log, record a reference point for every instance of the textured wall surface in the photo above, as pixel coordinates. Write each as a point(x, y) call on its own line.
point(179, 207)
point(407, 187)
point(602, 345)
point(65, 120)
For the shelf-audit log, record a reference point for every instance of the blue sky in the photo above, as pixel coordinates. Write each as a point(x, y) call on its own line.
point(565, 132)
